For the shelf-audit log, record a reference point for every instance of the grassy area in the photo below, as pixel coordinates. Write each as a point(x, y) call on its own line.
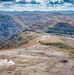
point(62, 46)
point(57, 44)
point(17, 41)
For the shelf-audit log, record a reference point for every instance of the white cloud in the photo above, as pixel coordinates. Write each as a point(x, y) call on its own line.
point(28, 0)
point(17, 0)
point(31, 7)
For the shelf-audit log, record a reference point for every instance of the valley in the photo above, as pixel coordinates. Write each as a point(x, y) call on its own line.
point(15, 25)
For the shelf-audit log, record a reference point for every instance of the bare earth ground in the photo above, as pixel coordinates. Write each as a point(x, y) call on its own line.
point(36, 60)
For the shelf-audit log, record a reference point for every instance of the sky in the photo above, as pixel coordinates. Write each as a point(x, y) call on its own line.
point(36, 5)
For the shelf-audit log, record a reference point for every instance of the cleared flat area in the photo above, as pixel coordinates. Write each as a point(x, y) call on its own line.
point(36, 59)
point(44, 38)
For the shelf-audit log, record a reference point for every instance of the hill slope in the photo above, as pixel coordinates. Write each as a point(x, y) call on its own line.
point(40, 22)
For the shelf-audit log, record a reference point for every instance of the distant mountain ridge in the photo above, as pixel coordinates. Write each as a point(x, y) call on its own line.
point(49, 22)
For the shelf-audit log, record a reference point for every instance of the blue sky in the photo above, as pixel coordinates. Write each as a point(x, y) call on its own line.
point(36, 5)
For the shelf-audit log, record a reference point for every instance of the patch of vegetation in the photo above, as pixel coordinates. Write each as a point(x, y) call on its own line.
point(57, 44)
point(62, 46)
point(17, 40)
point(62, 28)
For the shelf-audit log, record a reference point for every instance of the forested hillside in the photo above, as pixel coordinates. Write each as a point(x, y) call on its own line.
point(39, 22)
